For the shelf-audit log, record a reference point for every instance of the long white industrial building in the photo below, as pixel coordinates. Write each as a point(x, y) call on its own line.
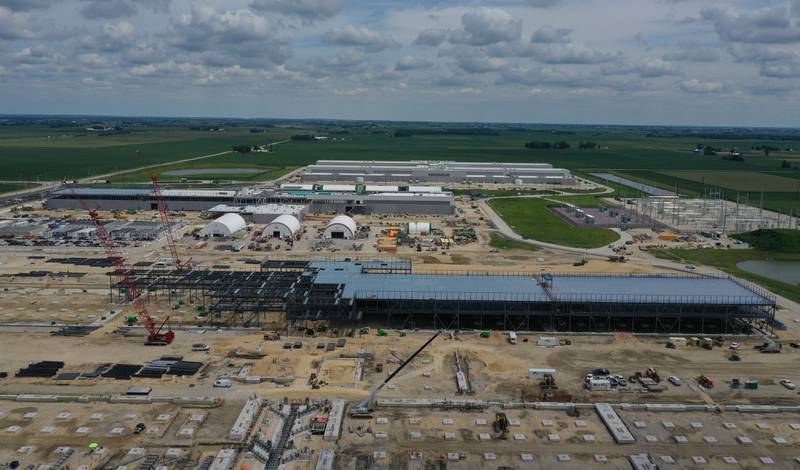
point(360, 171)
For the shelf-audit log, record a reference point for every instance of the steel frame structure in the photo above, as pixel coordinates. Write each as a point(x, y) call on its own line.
point(290, 287)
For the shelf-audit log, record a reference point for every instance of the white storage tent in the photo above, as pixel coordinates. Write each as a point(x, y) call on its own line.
point(283, 226)
point(341, 226)
point(419, 228)
point(224, 226)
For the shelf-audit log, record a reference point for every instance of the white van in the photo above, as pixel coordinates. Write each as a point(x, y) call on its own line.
point(512, 337)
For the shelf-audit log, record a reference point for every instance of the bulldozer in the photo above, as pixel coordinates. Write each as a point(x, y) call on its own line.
point(501, 425)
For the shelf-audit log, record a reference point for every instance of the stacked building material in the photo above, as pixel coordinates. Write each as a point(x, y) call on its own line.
point(41, 369)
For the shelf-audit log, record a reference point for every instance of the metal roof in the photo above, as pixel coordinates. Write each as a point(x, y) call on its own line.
point(685, 289)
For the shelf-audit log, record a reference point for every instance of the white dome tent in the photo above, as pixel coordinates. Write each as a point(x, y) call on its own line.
point(342, 227)
point(282, 227)
point(224, 226)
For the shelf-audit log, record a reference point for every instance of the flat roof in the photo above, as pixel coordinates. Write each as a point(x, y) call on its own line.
point(633, 288)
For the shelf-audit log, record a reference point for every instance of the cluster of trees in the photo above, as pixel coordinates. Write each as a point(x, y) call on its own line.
point(256, 130)
point(303, 137)
point(588, 145)
point(786, 164)
point(539, 145)
point(707, 149)
point(734, 135)
point(242, 148)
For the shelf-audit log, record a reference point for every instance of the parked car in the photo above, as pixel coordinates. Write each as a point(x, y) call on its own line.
point(735, 345)
point(330, 347)
point(200, 347)
point(223, 383)
point(287, 345)
point(320, 345)
point(600, 372)
point(788, 384)
point(298, 345)
point(676, 381)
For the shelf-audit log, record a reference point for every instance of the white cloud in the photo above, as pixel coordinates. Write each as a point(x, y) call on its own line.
point(487, 26)
point(701, 86)
point(15, 25)
point(307, 10)
point(360, 37)
point(412, 63)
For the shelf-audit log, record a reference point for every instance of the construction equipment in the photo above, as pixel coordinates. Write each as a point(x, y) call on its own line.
point(501, 425)
point(166, 224)
point(735, 382)
point(363, 409)
point(652, 374)
point(154, 335)
point(548, 383)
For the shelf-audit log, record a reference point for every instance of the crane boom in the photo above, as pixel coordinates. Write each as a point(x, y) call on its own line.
point(132, 294)
point(363, 408)
point(166, 223)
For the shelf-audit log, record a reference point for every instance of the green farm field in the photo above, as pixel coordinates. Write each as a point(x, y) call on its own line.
point(741, 180)
point(29, 154)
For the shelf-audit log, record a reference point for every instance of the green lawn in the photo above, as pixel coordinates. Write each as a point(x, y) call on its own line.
point(500, 192)
point(531, 218)
point(502, 243)
point(268, 172)
point(774, 240)
point(9, 187)
point(726, 260)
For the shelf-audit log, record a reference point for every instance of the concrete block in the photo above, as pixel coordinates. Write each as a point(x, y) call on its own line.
point(588, 438)
point(447, 421)
point(63, 416)
point(526, 457)
point(25, 449)
point(485, 436)
point(762, 426)
point(600, 458)
point(449, 436)
point(779, 440)
point(153, 431)
point(382, 420)
point(163, 418)
point(29, 416)
point(728, 425)
point(668, 424)
point(415, 420)
point(426, 375)
point(794, 426)
point(554, 438)
point(681, 439)
point(379, 455)
point(766, 460)
point(651, 438)
point(380, 435)
point(563, 457)
point(730, 460)
point(185, 433)
point(667, 459)
point(547, 422)
point(13, 429)
point(519, 436)
point(427, 387)
point(579, 423)
point(480, 422)
point(744, 440)
point(136, 452)
point(698, 460)
point(129, 417)
point(513, 422)
point(489, 456)
point(63, 450)
point(414, 435)
point(197, 417)
point(96, 416)
point(710, 439)
point(47, 430)
point(697, 425)
point(117, 431)
point(175, 453)
point(453, 456)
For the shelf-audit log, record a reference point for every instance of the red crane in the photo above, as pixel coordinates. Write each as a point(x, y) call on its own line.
point(155, 337)
point(166, 224)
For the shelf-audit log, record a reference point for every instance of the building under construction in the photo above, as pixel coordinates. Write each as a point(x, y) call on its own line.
point(392, 295)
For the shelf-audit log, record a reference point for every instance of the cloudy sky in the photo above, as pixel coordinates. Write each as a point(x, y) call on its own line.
point(712, 62)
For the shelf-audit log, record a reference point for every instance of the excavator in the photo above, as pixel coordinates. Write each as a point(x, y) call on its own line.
point(501, 425)
point(365, 408)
